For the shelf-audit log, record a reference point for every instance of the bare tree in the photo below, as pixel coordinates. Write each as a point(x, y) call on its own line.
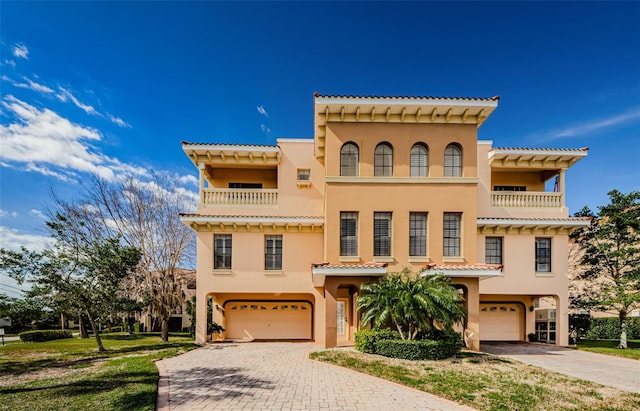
point(146, 215)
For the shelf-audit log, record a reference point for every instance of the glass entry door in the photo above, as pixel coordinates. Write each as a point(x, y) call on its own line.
point(342, 319)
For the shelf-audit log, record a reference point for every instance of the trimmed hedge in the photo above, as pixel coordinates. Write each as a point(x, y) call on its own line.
point(417, 349)
point(44, 335)
point(365, 340)
point(609, 328)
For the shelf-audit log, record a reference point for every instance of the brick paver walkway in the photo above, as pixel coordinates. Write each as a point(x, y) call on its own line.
point(280, 376)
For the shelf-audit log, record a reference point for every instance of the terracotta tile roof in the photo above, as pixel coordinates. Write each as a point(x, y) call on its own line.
point(187, 143)
point(560, 220)
point(524, 149)
point(349, 266)
point(408, 97)
point(471, 267)
point(266, 217)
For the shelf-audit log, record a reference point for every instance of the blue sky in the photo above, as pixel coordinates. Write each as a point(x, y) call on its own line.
point(113, 87)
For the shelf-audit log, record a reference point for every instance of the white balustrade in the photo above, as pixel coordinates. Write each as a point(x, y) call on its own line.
point(523, 199)
point(240, 197)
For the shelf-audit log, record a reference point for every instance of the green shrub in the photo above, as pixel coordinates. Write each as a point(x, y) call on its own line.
point(609, 328)
point(365, 340)
point(417, 349)
point(44, 335)
point(440, 335)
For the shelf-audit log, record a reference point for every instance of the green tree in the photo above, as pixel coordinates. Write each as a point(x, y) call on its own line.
point(411, 303)
point(608, 277)
point(81, 270)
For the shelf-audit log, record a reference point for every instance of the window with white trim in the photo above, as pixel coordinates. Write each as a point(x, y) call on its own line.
point(452, 234)
point(304, 174)
point(418, 234)
point(383, 160)
point(493, 250)
point(419, 160)
point(348, 233)
point(222, 251)
point(543, 255)
point(273, 252)
point(453, 161)
point(349, 159)
point(381, 234)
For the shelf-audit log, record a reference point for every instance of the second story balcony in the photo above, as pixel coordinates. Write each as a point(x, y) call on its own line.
point(237, 197)
point(524, 199)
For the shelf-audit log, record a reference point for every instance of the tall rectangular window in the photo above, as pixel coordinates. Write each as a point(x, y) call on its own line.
point(493, 250)
point(417, 234)
point(273, 252)
point(222, 251)
point(349, 233)
point(452, 234)
point(543, 255)
point(382, 234)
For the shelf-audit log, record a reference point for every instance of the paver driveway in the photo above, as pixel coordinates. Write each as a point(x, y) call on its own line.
point(280, 376)
point(621, 373)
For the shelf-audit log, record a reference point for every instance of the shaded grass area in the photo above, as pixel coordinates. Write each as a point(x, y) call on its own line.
point(71, 375)
point(609, 347)
point(486, 382)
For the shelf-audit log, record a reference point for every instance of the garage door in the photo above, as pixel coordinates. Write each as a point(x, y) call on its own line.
point(273, 320)
point(500, 322)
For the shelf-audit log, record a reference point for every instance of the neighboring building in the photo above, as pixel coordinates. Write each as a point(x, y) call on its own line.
point(179, 320)
point(287, 234)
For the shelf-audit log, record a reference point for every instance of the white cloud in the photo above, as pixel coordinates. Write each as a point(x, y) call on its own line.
point(188, 179)
point(47, 143)
point(30, 84)
point(37, 213)
point(21, 51)
point(65, 95)
point(10, 63)
point(5, 213)
point(262, 111)
point(13, 239)
point(590, 127)
point(265, 129)
point(118, 121)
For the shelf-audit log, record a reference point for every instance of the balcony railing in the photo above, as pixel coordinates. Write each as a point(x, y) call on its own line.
point(520, 199)
point(240, 197)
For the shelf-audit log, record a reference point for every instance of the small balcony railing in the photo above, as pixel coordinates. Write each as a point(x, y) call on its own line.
point(240, 197)
point(522, 199)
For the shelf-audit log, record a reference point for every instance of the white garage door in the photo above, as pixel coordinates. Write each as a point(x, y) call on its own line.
point(273, 320)
point(500, 322)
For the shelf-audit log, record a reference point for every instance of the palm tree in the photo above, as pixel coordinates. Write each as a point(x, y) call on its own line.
point(412, 304)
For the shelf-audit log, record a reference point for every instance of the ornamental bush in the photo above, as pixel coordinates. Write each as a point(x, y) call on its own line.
point(44, 335)
point(609, 328)
point(365, 340)
point(417, 349)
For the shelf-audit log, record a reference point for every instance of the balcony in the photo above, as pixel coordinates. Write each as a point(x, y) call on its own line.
point(231, 197)
point(523, 199)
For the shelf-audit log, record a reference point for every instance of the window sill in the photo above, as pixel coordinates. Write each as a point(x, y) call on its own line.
point(544, 274)
point(419, 259)
point(349, 259)
point(303, 183)
point(453, 259)
point(273, 272)
point(383, 259)
point(222, 271)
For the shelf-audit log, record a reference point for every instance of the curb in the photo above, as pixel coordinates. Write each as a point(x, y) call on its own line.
point(162, 399)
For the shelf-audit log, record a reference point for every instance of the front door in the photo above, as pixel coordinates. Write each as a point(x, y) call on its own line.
point(342, 319)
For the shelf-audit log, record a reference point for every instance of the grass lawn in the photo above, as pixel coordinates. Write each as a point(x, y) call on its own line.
point(609, 347)
point(70, 374)
point(486, 382)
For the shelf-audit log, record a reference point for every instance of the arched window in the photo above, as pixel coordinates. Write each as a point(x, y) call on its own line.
point(349, 160)
point(453, 161)
point(419, 160)
point(383, 160)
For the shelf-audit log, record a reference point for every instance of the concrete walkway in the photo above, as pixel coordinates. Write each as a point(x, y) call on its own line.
point(621, 373)
point(279, 376)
